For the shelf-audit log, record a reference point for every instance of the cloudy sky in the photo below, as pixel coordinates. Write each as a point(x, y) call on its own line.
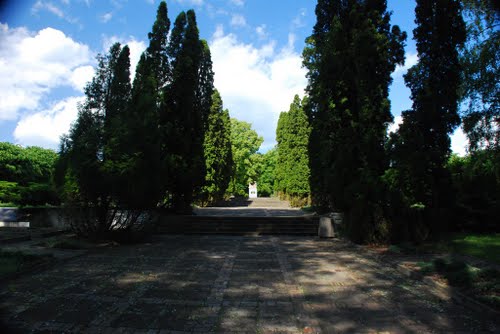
point(48, 49)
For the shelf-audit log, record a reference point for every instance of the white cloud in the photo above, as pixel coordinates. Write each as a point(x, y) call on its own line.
point(410, 60)
point(238, 20)
point(106, 17)
point(190, 2)
point(256, 84)
point(49, 6)
point(32, 64)
point(80, 76)
point(44, 128)
point(261, 31)
point(237, 2)
point(136, 49)
point(395, 125)
point(459, 142)
point(298, 21)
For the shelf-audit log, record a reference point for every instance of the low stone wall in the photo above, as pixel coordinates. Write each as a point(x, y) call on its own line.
point(37, 217)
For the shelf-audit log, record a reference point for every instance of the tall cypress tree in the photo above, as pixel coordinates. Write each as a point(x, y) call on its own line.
point(143, 147)
point(422, 143)
point(217, 152)
point(350, 57)
point(185, 140)
point(90, 151)
point(292, 167)
point(115, 126)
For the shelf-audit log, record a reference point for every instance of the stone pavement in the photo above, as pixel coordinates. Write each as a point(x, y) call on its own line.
point(256, 207)
point(204, 284)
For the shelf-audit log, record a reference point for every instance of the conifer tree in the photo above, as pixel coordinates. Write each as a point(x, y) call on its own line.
point(217, 152)
point(350, 57)
point(143, 148)
point(89, 151)
point(292, 167)
point(184, 114)
point(422, 143)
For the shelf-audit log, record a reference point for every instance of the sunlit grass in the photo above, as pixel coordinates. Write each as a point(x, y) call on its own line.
point(483, 246)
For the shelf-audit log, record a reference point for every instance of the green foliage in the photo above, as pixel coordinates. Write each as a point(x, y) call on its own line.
point(267, 178)
point(421, 146)
point(217, 151)
point(26, 175)
point(476, 183)
point(37, 194)
point(481, 80)
point(244, 144)
point(137, 147)
point(9, 192)
point(292, 166)
point(185, 110)
point(350, 57)
point(24, 165)
point(89, 155)
point(145, 169)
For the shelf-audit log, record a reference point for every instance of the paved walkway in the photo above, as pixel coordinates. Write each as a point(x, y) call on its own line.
point(221, 284)
point(256, 207)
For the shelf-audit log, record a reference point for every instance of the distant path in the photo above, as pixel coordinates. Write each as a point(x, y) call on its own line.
point(256, 207)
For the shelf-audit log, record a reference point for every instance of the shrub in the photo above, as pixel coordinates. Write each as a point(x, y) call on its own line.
point(38, 194)
point(9, 192)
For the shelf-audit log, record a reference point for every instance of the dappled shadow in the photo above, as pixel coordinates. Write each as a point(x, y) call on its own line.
point(232, 284)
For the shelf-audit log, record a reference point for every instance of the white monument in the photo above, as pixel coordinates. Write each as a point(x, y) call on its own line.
point(252, 190)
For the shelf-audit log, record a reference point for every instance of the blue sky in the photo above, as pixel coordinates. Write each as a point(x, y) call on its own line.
point(48, 49)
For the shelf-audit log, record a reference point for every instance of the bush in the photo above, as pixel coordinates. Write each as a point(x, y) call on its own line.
point(9, 192)
point(476, 182)
point(38, 194)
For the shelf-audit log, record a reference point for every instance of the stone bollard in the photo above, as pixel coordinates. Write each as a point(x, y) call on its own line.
point(325, 229)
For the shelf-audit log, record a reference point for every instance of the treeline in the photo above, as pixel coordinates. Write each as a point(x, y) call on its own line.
point(161, 141)
point(401, 187)
point(26, 175)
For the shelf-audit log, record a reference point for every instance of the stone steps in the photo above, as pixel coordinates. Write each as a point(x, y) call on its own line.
point(238, 225)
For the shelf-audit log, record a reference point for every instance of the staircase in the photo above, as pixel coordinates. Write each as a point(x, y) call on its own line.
point(239, 225)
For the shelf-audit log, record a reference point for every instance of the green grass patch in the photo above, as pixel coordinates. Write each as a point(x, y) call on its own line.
point(482, 284)
point(483, 246)
point(12, 262)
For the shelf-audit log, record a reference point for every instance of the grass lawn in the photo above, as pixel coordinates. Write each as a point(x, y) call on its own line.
point(11, 262)
point(483, 246)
